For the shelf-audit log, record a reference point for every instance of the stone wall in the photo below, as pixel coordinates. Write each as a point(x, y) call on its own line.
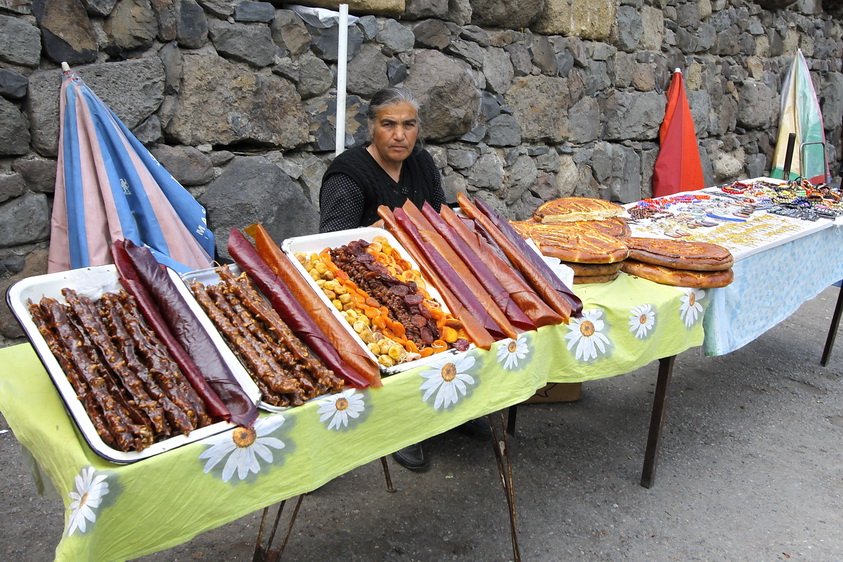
point(523, 100)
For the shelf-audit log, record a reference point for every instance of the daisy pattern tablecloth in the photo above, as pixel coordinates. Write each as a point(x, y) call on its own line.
point(115, 512)
point(627, 324)
point(770, 286)
point(124, 511)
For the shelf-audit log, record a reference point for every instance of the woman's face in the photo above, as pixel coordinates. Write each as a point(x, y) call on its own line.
point(394, 132)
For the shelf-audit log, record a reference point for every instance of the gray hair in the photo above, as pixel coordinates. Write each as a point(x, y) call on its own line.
point(390, 96)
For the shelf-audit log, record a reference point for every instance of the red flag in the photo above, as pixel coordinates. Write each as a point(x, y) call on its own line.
point(678, 166)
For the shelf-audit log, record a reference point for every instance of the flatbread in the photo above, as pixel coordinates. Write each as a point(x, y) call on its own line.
point(581, 247)
point(678, 277)
point(570, 209)
point(680, 254)
point(578, 280)
point(592, 269)
point(615, 226)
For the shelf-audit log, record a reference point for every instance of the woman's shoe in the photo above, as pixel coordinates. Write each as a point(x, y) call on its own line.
point(412, 457)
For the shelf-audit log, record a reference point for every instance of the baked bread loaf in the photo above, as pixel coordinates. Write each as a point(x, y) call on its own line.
point(523, 228)
point(615, 226)
point(679, 254)
point(582, 280)
point(678, 277)
point(592, 269)
point(581, 247)
point(570, 209)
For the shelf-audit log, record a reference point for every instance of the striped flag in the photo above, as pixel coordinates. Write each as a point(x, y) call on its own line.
point(801, 114)
point(678, 166)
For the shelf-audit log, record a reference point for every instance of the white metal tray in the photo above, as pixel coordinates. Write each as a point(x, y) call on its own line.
point(93, 282)
point(315, 243)
point(210, 277)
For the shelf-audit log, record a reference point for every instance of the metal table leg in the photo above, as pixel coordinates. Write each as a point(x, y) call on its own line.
point(832, 330)
point(510, 419)
point(651, 455)
point(500, 446)
point(266, 554)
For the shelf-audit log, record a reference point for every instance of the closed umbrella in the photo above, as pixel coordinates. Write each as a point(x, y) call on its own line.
point(801, 115)
point(109, 187)
point(678, 166)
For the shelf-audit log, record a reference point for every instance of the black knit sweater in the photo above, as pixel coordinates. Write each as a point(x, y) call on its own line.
point(419, 181)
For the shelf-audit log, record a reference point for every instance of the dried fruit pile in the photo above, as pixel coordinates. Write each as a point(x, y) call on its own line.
point(384, 300)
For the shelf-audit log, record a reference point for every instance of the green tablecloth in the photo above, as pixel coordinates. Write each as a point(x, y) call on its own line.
point(124, 511)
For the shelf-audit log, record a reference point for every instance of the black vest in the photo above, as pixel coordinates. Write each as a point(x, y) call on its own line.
point(418, 180)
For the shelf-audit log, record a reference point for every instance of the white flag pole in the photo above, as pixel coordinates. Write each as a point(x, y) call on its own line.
point(342, 69)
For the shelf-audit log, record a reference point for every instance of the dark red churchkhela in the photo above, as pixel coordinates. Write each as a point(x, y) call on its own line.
point(286, 305)
point(168, 314)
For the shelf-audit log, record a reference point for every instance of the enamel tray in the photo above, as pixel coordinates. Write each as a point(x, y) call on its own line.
point(93, 282)
point(315, 243)
point(210, 277)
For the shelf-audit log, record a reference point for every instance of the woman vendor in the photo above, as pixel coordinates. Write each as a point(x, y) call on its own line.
point(389, 170)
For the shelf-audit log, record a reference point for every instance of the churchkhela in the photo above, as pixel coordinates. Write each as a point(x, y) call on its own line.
point(290, 309)
point(286, 373)
point(324, 319)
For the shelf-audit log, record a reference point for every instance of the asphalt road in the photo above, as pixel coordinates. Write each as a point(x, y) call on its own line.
point(751, 468)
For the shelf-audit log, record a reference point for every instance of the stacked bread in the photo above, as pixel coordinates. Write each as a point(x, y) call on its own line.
point(679, 262)
point(590, 237)
point(585, 234)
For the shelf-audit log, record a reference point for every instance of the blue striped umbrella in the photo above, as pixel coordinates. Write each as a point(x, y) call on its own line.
point(109, 187)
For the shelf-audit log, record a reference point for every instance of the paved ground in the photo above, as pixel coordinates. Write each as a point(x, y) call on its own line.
point(751, 469)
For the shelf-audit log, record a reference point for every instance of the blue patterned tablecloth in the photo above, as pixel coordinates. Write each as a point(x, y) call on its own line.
point(770, 286)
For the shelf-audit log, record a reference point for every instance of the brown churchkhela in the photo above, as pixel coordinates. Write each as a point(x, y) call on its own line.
point(130, 387)
point(327, 322)
point(284, 370)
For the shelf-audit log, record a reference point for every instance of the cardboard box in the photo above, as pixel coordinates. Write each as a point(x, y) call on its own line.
point(557, 392)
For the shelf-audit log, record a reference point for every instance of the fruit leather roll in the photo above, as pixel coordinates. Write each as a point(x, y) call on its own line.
point(453, 278)
point(173, 321)
point(481, 271)
point(289, 309)
point(462, 269)
point(475, 330)
point(330, 325)
point(519, 290)
point(543, 280)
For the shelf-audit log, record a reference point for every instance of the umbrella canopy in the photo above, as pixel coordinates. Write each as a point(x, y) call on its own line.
point(678, 166)
point(109, 187)
point(801, 114)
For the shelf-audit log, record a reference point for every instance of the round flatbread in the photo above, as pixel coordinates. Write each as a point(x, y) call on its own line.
point(595, 278)
point(581, 247)
point(571, 209)
point(615, 226)
point(523, 227)
point(680, 254)
point(678, 277)
point(592, 269)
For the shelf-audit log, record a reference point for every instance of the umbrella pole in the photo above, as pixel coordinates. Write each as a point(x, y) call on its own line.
point(788, 156)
